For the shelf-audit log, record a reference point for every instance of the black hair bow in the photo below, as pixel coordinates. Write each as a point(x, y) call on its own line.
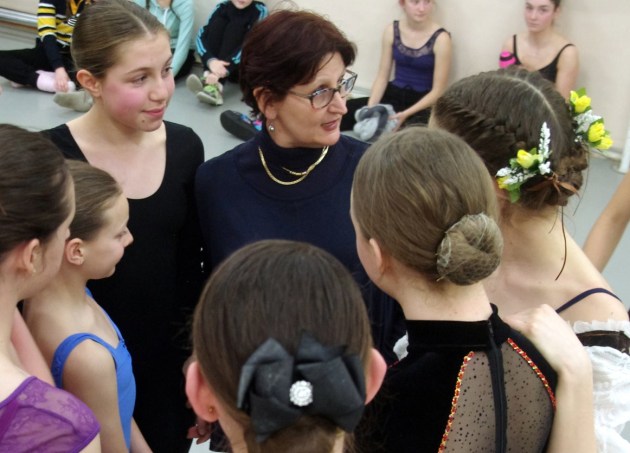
point(275, 389)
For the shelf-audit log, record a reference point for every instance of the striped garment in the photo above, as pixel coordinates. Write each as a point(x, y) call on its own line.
point(57, 18)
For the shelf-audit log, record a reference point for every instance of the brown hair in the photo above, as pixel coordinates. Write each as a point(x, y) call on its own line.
point(556, 3)
point(287, 49)
point(499, 112)
point(413, 189)
point(277, 289)
point(104, 27)
point(34, 187)
point(95, 192)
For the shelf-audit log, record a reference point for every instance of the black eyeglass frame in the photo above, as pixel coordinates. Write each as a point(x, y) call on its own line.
point(344, 82)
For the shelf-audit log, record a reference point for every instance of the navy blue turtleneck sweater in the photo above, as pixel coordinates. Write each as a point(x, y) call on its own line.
point(239, 204)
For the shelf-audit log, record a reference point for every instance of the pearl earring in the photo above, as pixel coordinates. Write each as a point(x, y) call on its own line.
point(271, 128)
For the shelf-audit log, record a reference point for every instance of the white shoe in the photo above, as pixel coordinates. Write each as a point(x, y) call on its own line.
point(194, 83)
point(79, 101)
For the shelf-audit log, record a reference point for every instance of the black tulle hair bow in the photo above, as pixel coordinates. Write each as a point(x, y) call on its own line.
point(275, 389)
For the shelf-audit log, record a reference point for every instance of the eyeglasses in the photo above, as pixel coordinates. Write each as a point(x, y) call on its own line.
point(324, 96)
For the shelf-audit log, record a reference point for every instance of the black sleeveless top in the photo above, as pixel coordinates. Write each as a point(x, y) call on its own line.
point(550, 71)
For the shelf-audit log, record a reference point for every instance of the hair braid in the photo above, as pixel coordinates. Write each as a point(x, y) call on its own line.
point(499, 112)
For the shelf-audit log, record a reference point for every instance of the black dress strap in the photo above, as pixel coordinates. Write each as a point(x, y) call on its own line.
point(562, 50)
point(584, 295)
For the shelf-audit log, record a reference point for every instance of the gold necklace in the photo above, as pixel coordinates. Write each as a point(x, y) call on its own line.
point(302, 174)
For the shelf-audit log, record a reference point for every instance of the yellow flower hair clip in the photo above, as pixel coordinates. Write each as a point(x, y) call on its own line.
point(526, 165)
point(590, 127)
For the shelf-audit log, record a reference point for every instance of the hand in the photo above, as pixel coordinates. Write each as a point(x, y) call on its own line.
point(61, 79)
point(400, 118)
point(219, 68)
point(554, 338)
point(201, 431)
point(211, 78)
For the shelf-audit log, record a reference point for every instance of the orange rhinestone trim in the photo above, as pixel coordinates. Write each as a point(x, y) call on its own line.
point(534, 367)
point(451, 416)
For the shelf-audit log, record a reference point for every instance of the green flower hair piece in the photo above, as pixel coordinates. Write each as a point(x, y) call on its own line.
point(526, 165)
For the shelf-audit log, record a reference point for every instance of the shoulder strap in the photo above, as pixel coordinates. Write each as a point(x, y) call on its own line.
point(65, 348)
point(396, 32)
point(584, 295)
point(514, 46)
point(436, 33)
point(431, 42)
point(562, 50)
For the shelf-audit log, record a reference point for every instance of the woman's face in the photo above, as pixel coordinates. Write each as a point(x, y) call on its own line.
point(135, 92)
point(417, 10)
point(539, 14)
point(296, 123)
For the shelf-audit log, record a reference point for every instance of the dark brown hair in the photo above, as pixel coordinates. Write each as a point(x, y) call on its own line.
point(104, 27)
point(556, 4)
point(413, 188)
point(499, 112)
point(95, 192)
point(34, 187)
point(287, 49)
point(277, 289)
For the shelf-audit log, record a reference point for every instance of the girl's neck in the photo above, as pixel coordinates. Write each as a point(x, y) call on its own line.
point(540, 39)
point(100, 125)
point(423, 300)
point(532, 236)
point(419, 27)
point(67, 289)
point(8, 303)
point(11, 291)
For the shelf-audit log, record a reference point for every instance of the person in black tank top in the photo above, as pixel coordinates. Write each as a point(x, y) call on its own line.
point(542, 48)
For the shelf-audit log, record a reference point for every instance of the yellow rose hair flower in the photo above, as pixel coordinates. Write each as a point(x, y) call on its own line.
point(525, 158)
point(580, 103)
point(596, 132)
point(525, 166)
point(590, 127)
point(605, 143)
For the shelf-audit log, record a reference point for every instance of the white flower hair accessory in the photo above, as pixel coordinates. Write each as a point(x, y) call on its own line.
point(526, 165)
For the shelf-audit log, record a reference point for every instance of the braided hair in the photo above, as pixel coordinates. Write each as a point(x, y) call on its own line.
point(499, 112)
